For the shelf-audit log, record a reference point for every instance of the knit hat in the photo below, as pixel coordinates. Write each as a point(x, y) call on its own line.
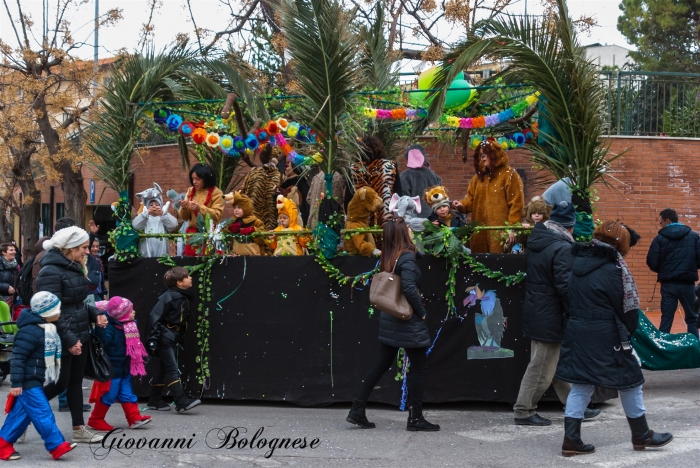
point(45, 304)
point(119, 308)
point(564, 214)
point(445, 202)
point(67, 238)
point(537, 205)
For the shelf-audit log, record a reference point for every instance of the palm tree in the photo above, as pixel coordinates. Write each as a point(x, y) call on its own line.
point(547, 56)
point(324, 54)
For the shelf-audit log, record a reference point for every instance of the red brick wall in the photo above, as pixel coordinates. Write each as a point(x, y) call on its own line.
point(654, 173)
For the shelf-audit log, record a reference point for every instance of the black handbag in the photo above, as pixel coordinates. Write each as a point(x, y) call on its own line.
point(98, 366)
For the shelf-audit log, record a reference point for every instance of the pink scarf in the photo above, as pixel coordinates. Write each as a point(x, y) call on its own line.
point(119, 308)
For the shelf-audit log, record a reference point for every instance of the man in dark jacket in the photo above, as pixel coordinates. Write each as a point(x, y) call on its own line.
point(545, 312)
point(674, 256)
point(418, 177)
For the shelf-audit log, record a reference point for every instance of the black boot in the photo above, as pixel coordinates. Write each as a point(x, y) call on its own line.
point(155, 401)
point(182, 403)
point(357, 415)
point(573, 445)
point(416, 421)
point(643, 437)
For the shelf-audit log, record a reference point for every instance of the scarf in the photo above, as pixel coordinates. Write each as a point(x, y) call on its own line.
point(9, 265)
point(556, 227)
point(630, 299)
point(52, 352)
point(134, 348)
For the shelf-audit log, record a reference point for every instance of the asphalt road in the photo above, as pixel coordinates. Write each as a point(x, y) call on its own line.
point(473, 435)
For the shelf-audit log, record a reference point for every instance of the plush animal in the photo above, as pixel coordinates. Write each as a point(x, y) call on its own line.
point(363, 205)
point(408, 208)
point(435, 194)
point(176, 198)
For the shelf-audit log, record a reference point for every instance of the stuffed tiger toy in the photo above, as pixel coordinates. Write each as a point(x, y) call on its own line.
point(380, 175)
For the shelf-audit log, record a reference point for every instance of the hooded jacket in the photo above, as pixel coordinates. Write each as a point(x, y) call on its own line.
point(674, 255)
point(66, 280)
point(114, 342)
point(415, 181)
point(548, 264)
point(248, 223)
point(591, 352)
point(493, 201)
point(27, 366)
point(289, 208)
point(412, 333)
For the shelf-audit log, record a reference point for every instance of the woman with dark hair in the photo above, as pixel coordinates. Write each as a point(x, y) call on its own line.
point(64, 274)
point(9, 273)
point(399, 255)
point(494, 197)
point(96, 272)
point(378, 172)
point(202, 198)
point(603, 315)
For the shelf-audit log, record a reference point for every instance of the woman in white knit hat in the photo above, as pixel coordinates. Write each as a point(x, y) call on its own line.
point(63, 273)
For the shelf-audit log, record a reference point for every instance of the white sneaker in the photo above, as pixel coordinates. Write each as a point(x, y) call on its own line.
point(22, 437)
point(85, 436)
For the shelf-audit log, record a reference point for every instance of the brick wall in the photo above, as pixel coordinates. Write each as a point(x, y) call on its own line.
point(653, 174)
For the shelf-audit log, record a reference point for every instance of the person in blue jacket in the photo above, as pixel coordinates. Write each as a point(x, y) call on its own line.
point(36, 361)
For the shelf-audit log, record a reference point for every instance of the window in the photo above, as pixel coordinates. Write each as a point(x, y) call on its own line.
point(60, 210)
point(46, 217)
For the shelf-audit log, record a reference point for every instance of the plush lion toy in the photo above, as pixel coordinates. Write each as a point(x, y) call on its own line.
point(364, 203)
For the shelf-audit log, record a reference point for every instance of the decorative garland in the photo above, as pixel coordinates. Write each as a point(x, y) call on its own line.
point(507, 142)
point(399, 113)
point(491, 120)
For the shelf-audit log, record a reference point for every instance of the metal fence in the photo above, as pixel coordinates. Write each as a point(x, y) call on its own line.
point(653, 103)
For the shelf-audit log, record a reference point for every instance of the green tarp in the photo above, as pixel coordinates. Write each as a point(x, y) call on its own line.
point(664, 351)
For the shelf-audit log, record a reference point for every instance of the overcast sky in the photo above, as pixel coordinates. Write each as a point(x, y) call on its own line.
point(173, 18)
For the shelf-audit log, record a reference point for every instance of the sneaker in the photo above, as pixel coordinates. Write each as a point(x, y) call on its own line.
point(534, 420)
point(15, 456)
point(190, 404)
point(159, 406)
point(590, 413)
point(85, 436)
point(22, 437)
point(139, 423)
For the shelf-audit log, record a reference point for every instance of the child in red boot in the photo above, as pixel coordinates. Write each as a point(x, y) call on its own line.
point(36, 361)
point(123, 346)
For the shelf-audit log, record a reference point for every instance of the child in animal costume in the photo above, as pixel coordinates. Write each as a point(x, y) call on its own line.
point(287, 217)
point(537, 211)
point(154, 219)
point(35, 362)
point(123, 346)
point(259, 185)
point(244, 222)
point(441, 214)
point(202, 198)
point(494, 197)
point(363, 205)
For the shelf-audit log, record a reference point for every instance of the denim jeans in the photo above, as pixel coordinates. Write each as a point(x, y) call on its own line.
point(671, 295)
point(632, 401)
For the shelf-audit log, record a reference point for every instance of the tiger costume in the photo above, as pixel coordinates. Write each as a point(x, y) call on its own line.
point(259, 185)
point(381, 175)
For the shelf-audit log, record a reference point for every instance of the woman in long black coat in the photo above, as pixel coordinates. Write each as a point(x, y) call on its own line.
point(603, 315)
point(412, 335)
point(63, 273)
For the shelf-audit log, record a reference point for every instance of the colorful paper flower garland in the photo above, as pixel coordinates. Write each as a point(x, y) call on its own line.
point(511, 141)
point(482, 121)
point(270, 134)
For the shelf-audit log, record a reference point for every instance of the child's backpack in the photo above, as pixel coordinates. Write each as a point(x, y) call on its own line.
point(24, 285)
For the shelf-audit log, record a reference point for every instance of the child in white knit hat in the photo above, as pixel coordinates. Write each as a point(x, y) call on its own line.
point(36, 361)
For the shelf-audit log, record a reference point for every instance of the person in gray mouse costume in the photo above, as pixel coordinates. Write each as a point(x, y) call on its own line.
point(154, 219)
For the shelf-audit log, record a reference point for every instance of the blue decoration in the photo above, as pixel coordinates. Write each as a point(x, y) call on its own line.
point(173, 122)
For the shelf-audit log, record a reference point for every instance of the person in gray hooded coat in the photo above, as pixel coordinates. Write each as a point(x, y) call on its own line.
point(418, 177)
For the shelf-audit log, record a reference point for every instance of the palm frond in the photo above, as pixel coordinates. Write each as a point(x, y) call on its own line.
point(572, 100)
point(324, 51)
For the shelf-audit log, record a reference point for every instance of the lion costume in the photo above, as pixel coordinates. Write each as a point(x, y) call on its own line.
point(364, 203)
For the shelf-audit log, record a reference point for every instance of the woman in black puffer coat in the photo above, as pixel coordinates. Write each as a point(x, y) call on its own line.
point(63, 274)
point(412, 335)
point(602, 316)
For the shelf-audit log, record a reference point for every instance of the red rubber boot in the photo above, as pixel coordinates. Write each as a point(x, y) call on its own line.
point(134, 416)
point(97, 418)
point(61, 450)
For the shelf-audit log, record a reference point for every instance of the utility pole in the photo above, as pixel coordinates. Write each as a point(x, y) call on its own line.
point(97, 46)
point(525, 8)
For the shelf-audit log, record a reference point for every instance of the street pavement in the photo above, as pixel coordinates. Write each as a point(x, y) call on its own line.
point(472, 435)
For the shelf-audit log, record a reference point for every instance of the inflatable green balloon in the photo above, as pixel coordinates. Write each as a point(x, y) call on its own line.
point(456, 100)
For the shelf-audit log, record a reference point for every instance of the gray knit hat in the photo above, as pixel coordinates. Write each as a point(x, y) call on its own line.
point(564, 214)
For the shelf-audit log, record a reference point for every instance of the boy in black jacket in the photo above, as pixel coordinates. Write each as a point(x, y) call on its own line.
point(36, 361)
point(165, 329)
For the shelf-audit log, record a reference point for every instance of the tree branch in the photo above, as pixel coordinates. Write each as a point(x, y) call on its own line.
point(24, 26)
point(12, 22)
